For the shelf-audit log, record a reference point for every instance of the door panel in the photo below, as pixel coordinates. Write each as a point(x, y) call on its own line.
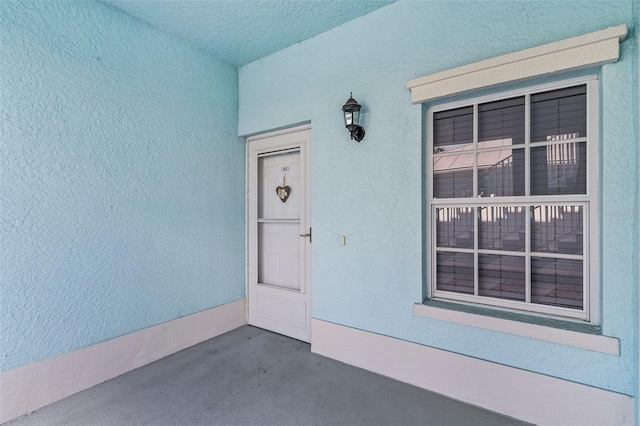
point(279, 255)
point(281, 309)
point(279, 261)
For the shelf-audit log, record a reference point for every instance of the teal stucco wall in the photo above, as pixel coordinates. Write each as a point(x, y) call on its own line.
point(122, 179)
point(636, 13)
point(372, 192)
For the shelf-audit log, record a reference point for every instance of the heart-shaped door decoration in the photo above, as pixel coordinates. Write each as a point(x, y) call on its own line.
point(283, 191)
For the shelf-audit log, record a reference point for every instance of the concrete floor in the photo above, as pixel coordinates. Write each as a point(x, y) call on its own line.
point(253, 377)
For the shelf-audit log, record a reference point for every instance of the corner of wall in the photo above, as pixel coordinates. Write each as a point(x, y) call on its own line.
point(73, 372)
point(636, 105)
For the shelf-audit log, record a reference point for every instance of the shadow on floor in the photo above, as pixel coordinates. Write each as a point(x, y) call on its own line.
point(254, 377)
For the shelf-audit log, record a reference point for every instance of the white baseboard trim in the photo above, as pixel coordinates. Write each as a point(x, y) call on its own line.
point(33, 386)
point(520, 394)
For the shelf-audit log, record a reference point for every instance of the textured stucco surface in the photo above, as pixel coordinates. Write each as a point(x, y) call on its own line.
point(122, 179)
point(372, 192)
point(239, 32)
point(636, 14)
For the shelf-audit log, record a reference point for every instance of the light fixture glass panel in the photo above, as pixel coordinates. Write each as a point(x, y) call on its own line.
point(348, 118)
point(356, 117)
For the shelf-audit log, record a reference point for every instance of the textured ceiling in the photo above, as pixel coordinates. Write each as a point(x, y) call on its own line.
point(241, 31)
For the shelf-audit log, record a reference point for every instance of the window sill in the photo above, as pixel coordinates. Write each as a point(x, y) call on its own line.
point(545, 333)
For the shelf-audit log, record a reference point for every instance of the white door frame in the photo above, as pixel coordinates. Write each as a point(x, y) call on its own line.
point(305, 222)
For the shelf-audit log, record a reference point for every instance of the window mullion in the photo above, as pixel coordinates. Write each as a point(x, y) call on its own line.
point(475, 150)
point(527, 193)
point(476, 267)
point(527, 251)
point(434, 254)
point(527, 141)
point(475, 195)
point(586, 294)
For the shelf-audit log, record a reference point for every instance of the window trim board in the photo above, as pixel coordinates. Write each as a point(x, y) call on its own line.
point(588, 50)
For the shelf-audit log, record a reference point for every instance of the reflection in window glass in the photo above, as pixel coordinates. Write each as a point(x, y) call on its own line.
point(502, 277)
point(559, 114)
point(501, 173)
point(502, 228)
point(556, 282)
point(557, 229)
point(453, 176)
point(453, 130)
point(559, 169)
point(455, 272)
point(501, 123)
point(455, 227)
point(509, 201)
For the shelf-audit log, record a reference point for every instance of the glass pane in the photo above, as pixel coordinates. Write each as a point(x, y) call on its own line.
point(454, 272)
point(454, 227)
point(453, 130)
point(279, 171)
point(348, 118)
point(501, 173)
point(559, 169)
point(279, 255)
point(559, 114)
point(502, 228)
point(453, 176)
point(557, 229)
point(501, 123)
point(557, 282)
point(502, 277)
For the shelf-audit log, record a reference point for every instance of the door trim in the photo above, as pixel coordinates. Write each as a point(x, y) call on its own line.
point(272, 134)
point(308, 206)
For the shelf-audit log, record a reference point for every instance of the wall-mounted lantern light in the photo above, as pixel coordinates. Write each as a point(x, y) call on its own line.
point(351, 112)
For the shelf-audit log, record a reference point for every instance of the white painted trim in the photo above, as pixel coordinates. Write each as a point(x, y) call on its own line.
point(297, 139)
point(591, 309)
point(33, 386)
point(597, 343)
point(589, 50)
point(513, 392)
point(279, 132)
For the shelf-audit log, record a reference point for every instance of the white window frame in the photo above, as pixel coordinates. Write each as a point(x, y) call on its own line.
point(590, 201)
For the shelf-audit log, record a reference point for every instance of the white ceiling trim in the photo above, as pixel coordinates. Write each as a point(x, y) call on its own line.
point(593, 49)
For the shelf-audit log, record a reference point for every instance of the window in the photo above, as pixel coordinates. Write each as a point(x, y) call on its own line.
point(512, 189)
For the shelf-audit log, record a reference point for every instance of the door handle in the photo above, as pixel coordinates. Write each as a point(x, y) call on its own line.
point(307, 235)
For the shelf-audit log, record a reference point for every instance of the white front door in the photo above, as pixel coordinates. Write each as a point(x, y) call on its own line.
point(279, 233)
